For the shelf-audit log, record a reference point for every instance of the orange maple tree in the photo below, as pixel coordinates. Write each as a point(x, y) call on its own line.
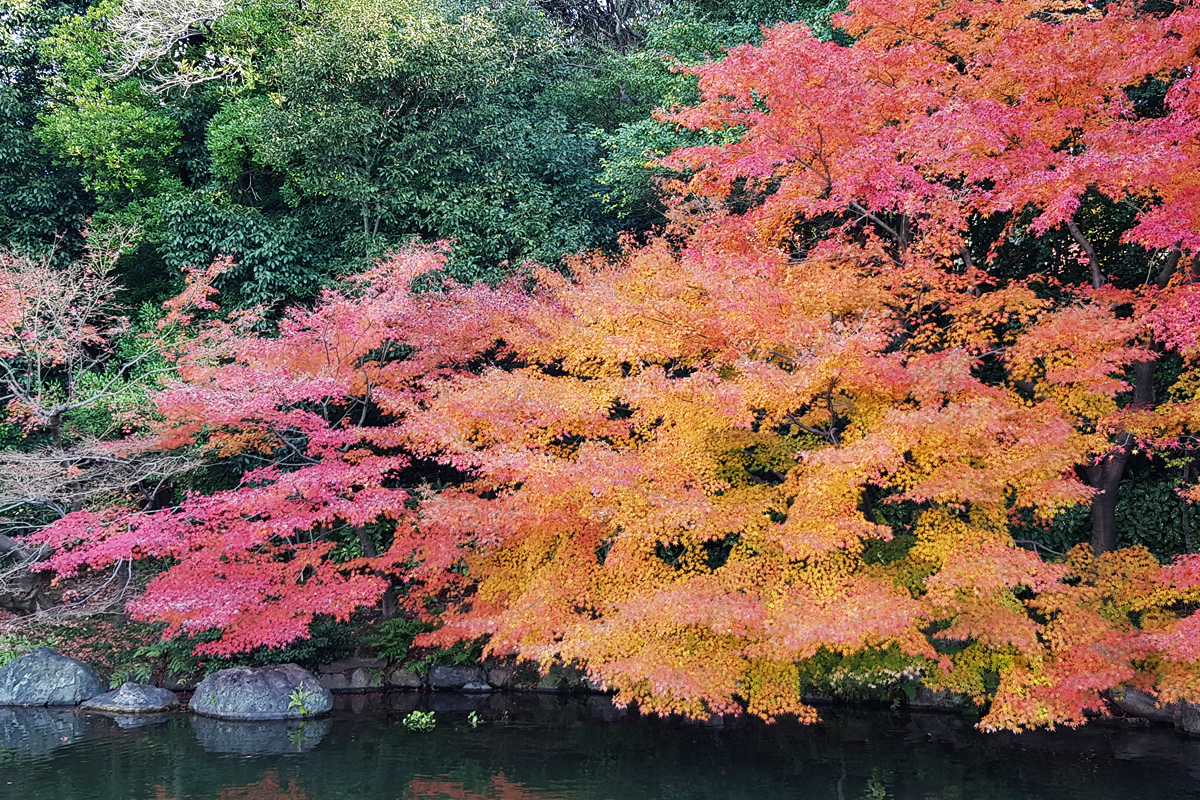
point(801, 420)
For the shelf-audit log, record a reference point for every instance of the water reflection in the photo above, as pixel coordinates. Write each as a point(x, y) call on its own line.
point(498, 788)
point(552, 748)
point(419, 788)
point(129, 721)
point(36, 731)
point(269, 788)
point(271, 737)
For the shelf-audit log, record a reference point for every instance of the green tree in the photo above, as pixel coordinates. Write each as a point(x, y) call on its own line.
point(42, 205)
point(423, 120)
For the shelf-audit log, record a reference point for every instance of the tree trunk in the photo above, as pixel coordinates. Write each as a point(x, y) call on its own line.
point(1093, 259)
point(1105, 478)
point(388, 605)
point(1143, 382)
point(1185, 523)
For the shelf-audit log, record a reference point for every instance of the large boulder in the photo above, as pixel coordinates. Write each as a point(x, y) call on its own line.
point(133, 698)
point(46, 677)
point(283, 692)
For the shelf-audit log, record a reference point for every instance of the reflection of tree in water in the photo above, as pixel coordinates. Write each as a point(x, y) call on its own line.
point(419, 788)
point(499, 788)
point(266, 789)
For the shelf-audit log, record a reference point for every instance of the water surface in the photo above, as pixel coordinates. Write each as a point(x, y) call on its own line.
point(556, 748)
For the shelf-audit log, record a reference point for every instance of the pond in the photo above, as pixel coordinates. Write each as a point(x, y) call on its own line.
point(568, 748)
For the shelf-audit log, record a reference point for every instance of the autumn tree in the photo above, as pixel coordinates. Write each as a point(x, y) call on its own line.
point(800, 422)
point(74, 375)
point(997, 149)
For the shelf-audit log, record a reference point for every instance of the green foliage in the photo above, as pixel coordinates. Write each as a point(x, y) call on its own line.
point(170, 657)
point(814, 13)
point(298, 700)
point(425, 120)
point(460, 654)
point(313, 137)
point(232, 135)
point(330, 640)
point(975, 669)
point(748, 457)
point(42, 205)
point(393, 638)
point(420, 721)
point(878, 551)
point(14, 645)
point(117, 133)
point(124, 384)
point(872, 674)
point(276, 254)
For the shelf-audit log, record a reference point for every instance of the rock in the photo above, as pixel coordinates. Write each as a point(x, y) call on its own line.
point(354, 681)
point(271, 737)
point(283, 692)
point(336, 681)
point(404, 679)
point(363, 678)
point(348, 664)
point(46, 677)
point(501, 677)
point(454, 678)
point(1137, 703)
point(575, 679)
point(927, 699)
point(476, 687)
point(1187, 719)
point(133, 698)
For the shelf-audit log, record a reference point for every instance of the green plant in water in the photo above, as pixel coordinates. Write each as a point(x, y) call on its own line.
point(473, 719)
point(298, 700)
point(422, 721)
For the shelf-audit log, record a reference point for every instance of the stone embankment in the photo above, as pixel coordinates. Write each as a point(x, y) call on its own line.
point(45, 677)
point(368, 674)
